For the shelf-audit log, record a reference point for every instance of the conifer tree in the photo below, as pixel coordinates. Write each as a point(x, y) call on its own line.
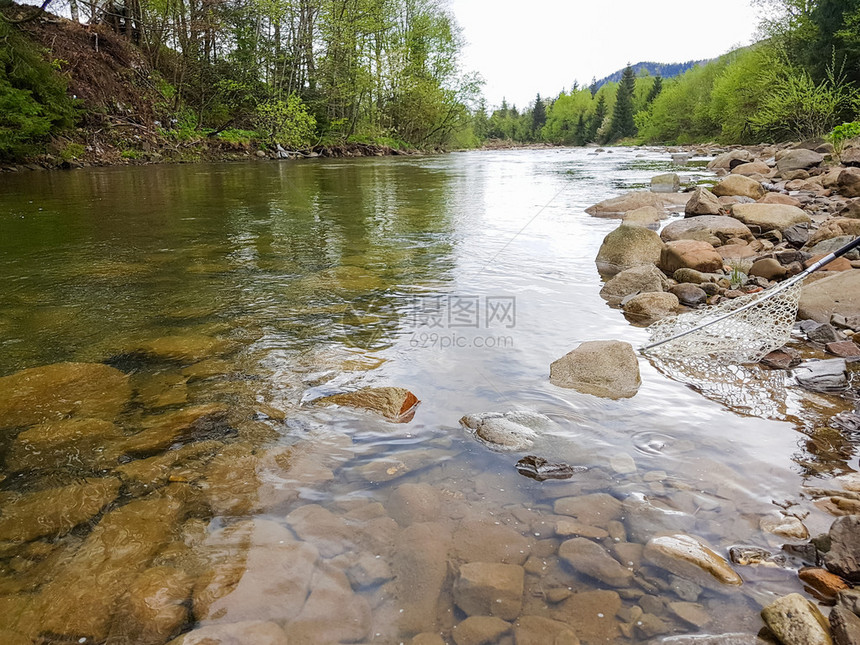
point(656, 88)
point(622, 115)
point(596, 119)
point(538, 117)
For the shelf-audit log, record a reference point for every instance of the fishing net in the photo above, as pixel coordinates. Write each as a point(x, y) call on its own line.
point(741, 330)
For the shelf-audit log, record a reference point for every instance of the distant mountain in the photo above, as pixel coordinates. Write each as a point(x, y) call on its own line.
point(666, 70)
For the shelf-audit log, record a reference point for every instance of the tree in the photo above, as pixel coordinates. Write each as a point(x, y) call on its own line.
point(538, 117)
point(656, 88)
point(597, 118)
point(623, 125)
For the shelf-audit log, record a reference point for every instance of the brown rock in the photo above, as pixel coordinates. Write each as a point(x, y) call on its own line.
point(627, 247)
point(481, 541)
point(651, 306)
point(690, 558)
point(822, 581)
point(394, 403)
point(779, 198)
point(752, 168)
point(838, 293)
point(490, 589)
point(713, 229)
point(700, 256)
point(597, 509)
point(835, 227)
point(591, 615)
point(153, 610)
point(848, 182)
point(188, 348)
point(331, 534)
point(843, 348)
point(617, 206)
point(162, 431)
point(839, 264)
point(843, 558)
point(421, 553)
point(55, 511)
point(252, 631)
point(703, 202)
point(845, 626)
point(332, 612)
point(592, 559)
point(411, 503)
point(793, 619)
point(537, 630)
point(740, 186)
point(769, 217)
point(480, 630)
point(64, 443)
point(769, 269)
point(53, 392)
point(608, 369)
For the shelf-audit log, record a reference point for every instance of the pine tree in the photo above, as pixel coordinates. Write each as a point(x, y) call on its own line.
point(579, 134)
point(596, 119)
point(622, 125)
point(538, 118)
point(593, 87)
point(656, 88)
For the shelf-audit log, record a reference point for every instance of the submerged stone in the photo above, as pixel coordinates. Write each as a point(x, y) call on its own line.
point(690, 558)
point(52, 445)
point(52, 392)
point(55, 511)
point(516, 430)
point(189, 348)
point(394, 403)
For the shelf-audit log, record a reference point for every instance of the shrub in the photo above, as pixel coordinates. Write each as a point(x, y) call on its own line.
point(843, 133)
point(287, 122)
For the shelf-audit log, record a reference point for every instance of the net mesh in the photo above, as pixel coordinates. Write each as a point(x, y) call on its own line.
point(756, 324)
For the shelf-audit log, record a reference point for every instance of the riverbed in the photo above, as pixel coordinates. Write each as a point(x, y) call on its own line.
point(238, 295)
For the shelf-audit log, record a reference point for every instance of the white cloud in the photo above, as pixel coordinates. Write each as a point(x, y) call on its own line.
point(543, 45)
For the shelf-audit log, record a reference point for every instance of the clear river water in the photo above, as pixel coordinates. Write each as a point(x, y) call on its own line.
point(238, 294)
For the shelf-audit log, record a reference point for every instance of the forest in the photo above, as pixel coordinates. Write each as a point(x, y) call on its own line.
point(800, 81)
point(292, 72)
point(305, 73)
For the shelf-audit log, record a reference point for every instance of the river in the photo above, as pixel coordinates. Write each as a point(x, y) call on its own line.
point(255, 289)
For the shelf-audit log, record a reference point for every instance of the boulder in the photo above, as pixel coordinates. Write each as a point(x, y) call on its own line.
point(797, 159)
point(822, 375)
point(537, 630)
point(617, 206)
point(394, 403)
point(651, 306)
point(836, 227)
point(61, 390)
point(848, 183)
point(851, 210)
point(252, 631)
point(738, 185)
point(769, 217)
point(647, 216)
point(480, 630)
point(596, 509)
point(779, 198)
point(691, 558)
point(591, 559)
point(703, 202)
point(690, 254)
point(843, 558)
point(736, 252)
point(627, 247)
point(641, 279)
point(421, 553)
point(725, 159)
point(608, 369)
point(835, 294)
point(490, 589)
point(794, 620)
point(713, 229)
point(768, 268)
point(751, 168)
point(844, 626)
point(515, 430)
point(689, 295)
point(668, 183)
point(154, 609)
point(55, 511)
point(411, 503)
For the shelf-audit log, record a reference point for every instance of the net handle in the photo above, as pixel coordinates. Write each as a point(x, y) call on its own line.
point(853, 244)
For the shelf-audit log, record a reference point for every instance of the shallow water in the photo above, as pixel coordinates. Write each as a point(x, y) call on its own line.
point(459, 277)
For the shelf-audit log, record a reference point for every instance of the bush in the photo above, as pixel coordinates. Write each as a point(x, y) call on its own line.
point(33, 101)
point(843, 133)
point(286, 122)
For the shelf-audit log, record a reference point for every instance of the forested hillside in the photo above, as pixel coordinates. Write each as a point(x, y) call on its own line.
point(650, 68)
point(295, 73)
point(800, 82)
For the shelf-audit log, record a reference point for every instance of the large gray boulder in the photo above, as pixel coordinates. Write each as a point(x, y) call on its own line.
point(716, 230)
point(607, 369)
point(739, 186)
point(668, 183)
point(703, 202)
point(617, 206)
point(797, 159)
point(843, 559)
point(769, 217)
point(626, 247)
point(642, 279)
point(835, 294)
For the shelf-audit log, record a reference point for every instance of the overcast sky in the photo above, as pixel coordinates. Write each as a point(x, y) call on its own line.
point(542, 46)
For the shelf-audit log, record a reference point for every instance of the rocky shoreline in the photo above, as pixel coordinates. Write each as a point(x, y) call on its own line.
point(773, 211)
